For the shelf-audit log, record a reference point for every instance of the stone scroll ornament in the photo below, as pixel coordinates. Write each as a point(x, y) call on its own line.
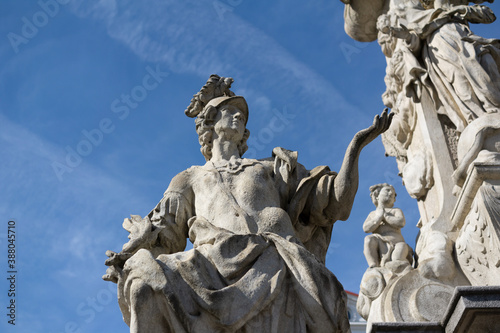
point(260, 231)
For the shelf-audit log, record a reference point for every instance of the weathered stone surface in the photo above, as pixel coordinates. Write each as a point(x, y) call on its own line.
point(391, 290)
point(471, 309)
point(407, 327)
point(443, 85)
point(386, 251)
point(260, 231)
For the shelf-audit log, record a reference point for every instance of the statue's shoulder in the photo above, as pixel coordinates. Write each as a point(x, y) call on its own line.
point(279, 154)
point(182, 182)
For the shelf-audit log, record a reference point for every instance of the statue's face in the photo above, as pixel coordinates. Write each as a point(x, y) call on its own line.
point(387, 196)
point(230, 123)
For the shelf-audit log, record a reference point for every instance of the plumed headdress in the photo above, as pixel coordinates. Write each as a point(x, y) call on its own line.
point(213, 94)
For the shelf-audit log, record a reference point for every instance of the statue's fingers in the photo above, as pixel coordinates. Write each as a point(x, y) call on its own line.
point(109, 262)
point(111, 275)
point(376, 121)
point(391, 115)
point(107, 277)
point(384, 118)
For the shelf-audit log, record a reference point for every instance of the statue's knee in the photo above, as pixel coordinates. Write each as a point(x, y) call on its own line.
point(140, 292)
point(370, 242)
point(400, 251)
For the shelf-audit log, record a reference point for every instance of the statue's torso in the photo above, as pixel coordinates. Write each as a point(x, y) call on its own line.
point(242, 200)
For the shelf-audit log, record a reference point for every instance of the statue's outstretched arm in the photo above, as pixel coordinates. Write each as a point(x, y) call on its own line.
point(142, 235)
point(346, 182)
point(163, 231)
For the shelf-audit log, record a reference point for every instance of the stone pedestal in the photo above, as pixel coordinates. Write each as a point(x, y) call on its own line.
point(471, 309)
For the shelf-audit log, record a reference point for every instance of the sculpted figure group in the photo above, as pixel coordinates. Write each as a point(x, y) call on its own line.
point(260, 231)
point(443, 86)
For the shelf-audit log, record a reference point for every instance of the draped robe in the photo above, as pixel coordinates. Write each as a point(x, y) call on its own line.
point(257, 263)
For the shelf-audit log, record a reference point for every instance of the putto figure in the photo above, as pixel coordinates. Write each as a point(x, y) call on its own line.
point(260, 231)
point(387, 254)
point(386, 243)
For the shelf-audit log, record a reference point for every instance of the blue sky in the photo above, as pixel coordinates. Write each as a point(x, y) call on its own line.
point(67, 78)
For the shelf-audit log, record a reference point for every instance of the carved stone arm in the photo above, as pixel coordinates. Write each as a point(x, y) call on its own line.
point(346, 182)
point(395, 218)
point(373, 221)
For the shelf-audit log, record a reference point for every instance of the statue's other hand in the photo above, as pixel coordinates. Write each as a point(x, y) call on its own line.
point(380, 124)
point(400, 32)
point(477, 14)
point(482, 41)
point(142, 233)
point(115, 261)
point(487, 14)
point(112, 275)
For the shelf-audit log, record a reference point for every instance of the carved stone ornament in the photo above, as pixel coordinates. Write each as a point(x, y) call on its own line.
point(477, 214)
point(443, 85)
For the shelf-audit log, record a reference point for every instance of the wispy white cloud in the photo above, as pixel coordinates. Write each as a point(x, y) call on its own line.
point(190, 37)
point(73, 221)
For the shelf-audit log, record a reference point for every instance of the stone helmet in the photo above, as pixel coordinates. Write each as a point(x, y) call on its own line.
point(237, 101)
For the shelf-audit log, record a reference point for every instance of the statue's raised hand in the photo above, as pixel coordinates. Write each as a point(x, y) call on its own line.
point(380, 124)
point(400, 32)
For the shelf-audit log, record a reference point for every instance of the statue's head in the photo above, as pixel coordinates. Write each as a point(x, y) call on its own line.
point(206, 120)
point(208, 105)
point(383, 193)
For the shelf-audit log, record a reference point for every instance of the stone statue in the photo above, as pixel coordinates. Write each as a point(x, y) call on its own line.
point(443, 86)
point(386, 243)
point(260, 231)
point(430, 44)
point(463, 68)
point(386, 251)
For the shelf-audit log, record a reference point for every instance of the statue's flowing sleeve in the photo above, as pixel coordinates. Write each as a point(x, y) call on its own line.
point(171, 216)
point(309, 195)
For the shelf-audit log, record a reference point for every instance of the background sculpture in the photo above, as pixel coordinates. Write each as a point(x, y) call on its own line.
point(386, 251)
point(260, 231)
point(443, 84)
point(386, 243)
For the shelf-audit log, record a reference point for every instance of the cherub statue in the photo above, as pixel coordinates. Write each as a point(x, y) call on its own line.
point(386, 243)
point(260, 231)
